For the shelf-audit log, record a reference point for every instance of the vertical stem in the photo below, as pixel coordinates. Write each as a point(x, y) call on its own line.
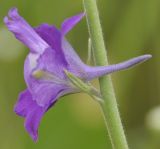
point(109, 106)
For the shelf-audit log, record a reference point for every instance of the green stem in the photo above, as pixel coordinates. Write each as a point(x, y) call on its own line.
point(109, 106)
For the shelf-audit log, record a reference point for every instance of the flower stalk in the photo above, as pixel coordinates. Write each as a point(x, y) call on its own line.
point(109, 106)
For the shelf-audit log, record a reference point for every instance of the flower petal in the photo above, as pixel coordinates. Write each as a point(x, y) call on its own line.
point(24, 32)
point(28, 108)
point(48, 61)
point(75, 64)
point(46, 93)
point(32, 121)
point(52, 36)
point(62, 52)
point(52, 82)
point(69, 23)
point(24, 104)
point(93, 72)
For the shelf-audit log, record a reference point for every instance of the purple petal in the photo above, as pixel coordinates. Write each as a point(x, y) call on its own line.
point(24, 101)
point(52, 85)
point(48, 61)
point(62, 53)
point(29, 65)
point(24, 32)
point(52, 36)
point(46, 89)
point(69, 23)
point(33, 113)
point(75, 64)
point(93, 72)
point(32, 121)
point(45, 93)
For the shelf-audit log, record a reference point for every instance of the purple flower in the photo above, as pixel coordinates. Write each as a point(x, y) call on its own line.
point(50, 54)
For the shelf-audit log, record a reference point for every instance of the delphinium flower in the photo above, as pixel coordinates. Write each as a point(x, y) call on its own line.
point(50, 56)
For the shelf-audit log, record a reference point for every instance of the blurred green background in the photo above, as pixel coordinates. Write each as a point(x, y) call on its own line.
point(131, 28)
